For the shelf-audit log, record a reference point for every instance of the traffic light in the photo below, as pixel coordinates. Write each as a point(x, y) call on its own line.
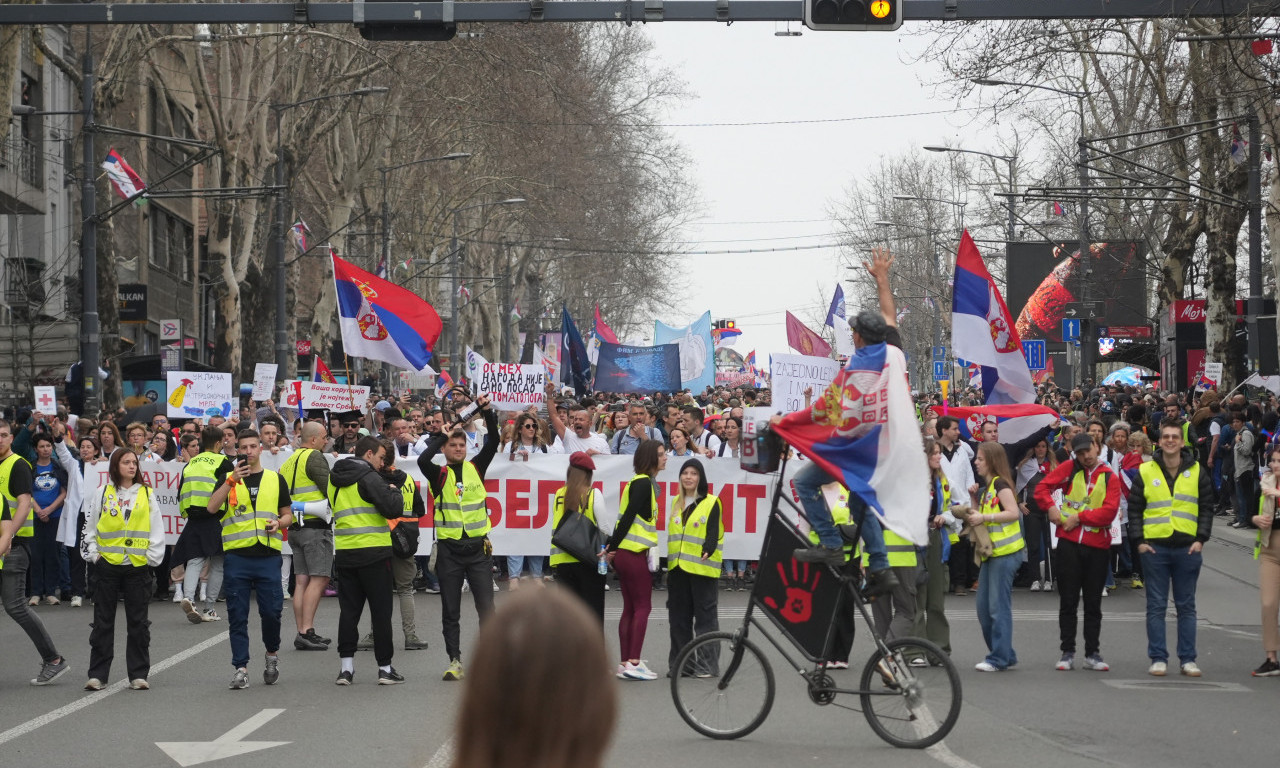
point(853, 14)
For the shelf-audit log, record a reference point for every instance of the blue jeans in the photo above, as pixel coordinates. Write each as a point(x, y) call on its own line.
point(735, 566)
point(240, 574)
point(45, 568)
point(808, 484)
point(1176, 565)
point(515, 566)
point(995, 607)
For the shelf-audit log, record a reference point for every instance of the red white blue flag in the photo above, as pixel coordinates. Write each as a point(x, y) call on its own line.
point(444, 382)
point(1017, 422)
point(126, 182)
point(382, 321)
point(298, 234)
point(982, 331)
point(863, 432)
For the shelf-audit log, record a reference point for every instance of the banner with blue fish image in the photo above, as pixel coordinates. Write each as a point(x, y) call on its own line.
point(624, 368)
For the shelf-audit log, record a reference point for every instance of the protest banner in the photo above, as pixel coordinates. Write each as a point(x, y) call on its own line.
point(511, 387)
point(792, 374)
point(46, 399)
point(335, 397)
point(624, 368)
point(264, 380)
point(195, 394)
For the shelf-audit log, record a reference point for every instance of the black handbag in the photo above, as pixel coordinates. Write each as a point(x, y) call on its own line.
point(404, 539)
point(579, 537)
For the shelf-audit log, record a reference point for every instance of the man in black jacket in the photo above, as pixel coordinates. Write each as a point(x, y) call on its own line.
point(461, 524)
point(362, 557)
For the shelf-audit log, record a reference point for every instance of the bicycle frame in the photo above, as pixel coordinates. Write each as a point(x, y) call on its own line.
point(847, 578)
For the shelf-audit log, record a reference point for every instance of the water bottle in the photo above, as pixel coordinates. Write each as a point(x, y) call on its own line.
point(602, 567)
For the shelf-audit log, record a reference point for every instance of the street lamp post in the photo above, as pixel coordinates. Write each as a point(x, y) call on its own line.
point(1088, 349)
point(1010, 159)
point(283, 369)
point(455, 262)
point(386, 210)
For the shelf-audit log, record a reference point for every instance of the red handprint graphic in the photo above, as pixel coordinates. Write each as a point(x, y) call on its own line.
point(797, 605)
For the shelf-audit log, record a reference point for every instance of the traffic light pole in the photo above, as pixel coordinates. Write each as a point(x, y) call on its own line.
point(90, 328)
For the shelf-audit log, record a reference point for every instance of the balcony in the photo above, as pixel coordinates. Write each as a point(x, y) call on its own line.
point(21, 184)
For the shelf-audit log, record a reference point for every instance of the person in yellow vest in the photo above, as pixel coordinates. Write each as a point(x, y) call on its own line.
point(17, 530)
point(628, 552)
point(362, 502)
point(253, 507)
point(1267, 552)
point(895, 612)
point(930, 617)
point(998, 511)
point(200, 543)
point(581, 578)
point(461, 519)
point(695, 551)
point(311, 535)
point(404, 547)
point(1091, 502)
point(124, 539)
point(1171, 505)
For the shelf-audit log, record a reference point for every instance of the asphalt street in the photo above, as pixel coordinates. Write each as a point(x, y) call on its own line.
point(1031, 715)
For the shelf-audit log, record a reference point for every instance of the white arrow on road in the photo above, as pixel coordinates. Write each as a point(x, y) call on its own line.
point(229, 744)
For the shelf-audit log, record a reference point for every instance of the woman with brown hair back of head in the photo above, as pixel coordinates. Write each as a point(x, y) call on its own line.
point(540, 660)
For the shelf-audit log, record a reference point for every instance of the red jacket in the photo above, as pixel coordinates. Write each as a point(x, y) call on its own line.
point(1101, 518)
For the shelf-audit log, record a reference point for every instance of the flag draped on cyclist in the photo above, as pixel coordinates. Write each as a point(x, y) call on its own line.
point(863, 431)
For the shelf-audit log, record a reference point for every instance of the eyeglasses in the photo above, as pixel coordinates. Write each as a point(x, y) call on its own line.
point(529, 425)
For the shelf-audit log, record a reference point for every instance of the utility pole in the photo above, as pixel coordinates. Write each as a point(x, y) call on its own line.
point(1087, 340)
point(1254, 306)
point(90, 330)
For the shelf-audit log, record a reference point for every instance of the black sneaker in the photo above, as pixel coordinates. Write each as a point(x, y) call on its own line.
point(880, 582)
point(390, 677)
point(1269, 668)
point(308, 643)
point(272, 671)
point(824, 555)
point(50, 671)
point(344, 678)
point(311, 633)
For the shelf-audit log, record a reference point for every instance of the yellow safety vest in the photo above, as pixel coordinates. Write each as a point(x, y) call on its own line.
point(643, 534)
point(839, 516)
point(1076, 499)
point(954, 538)
point(1186, 434)
point(302, 487)
point(199, 479)
point(559, 556)
point(28, 528)
point(1169, 510)
point(407, 492)
point(245, 523)
point(356, 524)
point(461, 505)
point(122, 535)
point(1006, 538)
point(686, 535)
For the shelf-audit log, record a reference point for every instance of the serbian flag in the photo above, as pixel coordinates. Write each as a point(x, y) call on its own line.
point(298, 234)
point(382, 321)
point(863, 432)
point(601, 330)
point(1057, 209)
point(444, 382)
point(322, 373)
point(1017, 422)
point(725, 337)
point(982, 331)
point(124, 179)
point(750, 361)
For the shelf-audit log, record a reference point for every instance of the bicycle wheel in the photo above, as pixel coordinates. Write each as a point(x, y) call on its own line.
point(912, 696)
point(722, 685)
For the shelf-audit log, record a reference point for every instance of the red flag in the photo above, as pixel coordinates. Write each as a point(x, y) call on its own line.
point(323, 373)
point(1260, 47)
point(603, 331)
point(805, 341)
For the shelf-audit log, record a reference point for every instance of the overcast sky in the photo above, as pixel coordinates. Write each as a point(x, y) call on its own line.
point(771, 186)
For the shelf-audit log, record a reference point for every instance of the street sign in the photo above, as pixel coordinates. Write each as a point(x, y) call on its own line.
point(1071, 329)
point(1036, 352)
point(940, 370)
point(939, 354)
point(170, 331)
point(302, 346)
point(962, 362)
point(1126, 331)
point(1080, 309)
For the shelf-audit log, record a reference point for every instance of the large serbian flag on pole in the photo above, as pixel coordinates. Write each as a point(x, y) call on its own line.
point(863, 432)
point(382, 321)
point(982, 331)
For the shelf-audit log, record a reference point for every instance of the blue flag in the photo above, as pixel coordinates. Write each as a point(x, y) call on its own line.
point(578, 368)
point(837, 308)
point(625, 368)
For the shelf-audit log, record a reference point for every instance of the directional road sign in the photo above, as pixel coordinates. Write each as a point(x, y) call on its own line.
point(1071, 330)
point(1036, 353)
point(940, 372)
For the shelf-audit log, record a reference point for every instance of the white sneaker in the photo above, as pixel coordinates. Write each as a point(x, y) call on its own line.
point(1158, 669)
point(495, 586)
point(985, 666)
point(177, 594)
point(1190, 669)
point(210, 615)
point(466, 586)
point(77, 601)
point(638, 672)
point(621, 672)
point(52, 600)
point(35, 600)
point(1035, 586)
point(1047, 586)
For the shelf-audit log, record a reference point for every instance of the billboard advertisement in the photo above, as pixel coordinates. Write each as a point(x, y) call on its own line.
point(1046, 281)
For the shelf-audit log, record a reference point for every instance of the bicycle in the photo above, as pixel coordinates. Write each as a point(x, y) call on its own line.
point(906, 683)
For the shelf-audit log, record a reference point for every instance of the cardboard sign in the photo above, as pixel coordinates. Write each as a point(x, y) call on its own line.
point(792, 374)
point(335, 397)
point(46, 399)
point(511, 387)
point(264, 380)
point(199, 394)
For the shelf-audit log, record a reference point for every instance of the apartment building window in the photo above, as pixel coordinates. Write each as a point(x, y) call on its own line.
point(171, 240)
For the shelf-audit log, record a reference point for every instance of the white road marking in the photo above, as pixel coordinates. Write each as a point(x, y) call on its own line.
point(229, 744)
point(943, 754)
point(116, 687)
point(443, 756)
